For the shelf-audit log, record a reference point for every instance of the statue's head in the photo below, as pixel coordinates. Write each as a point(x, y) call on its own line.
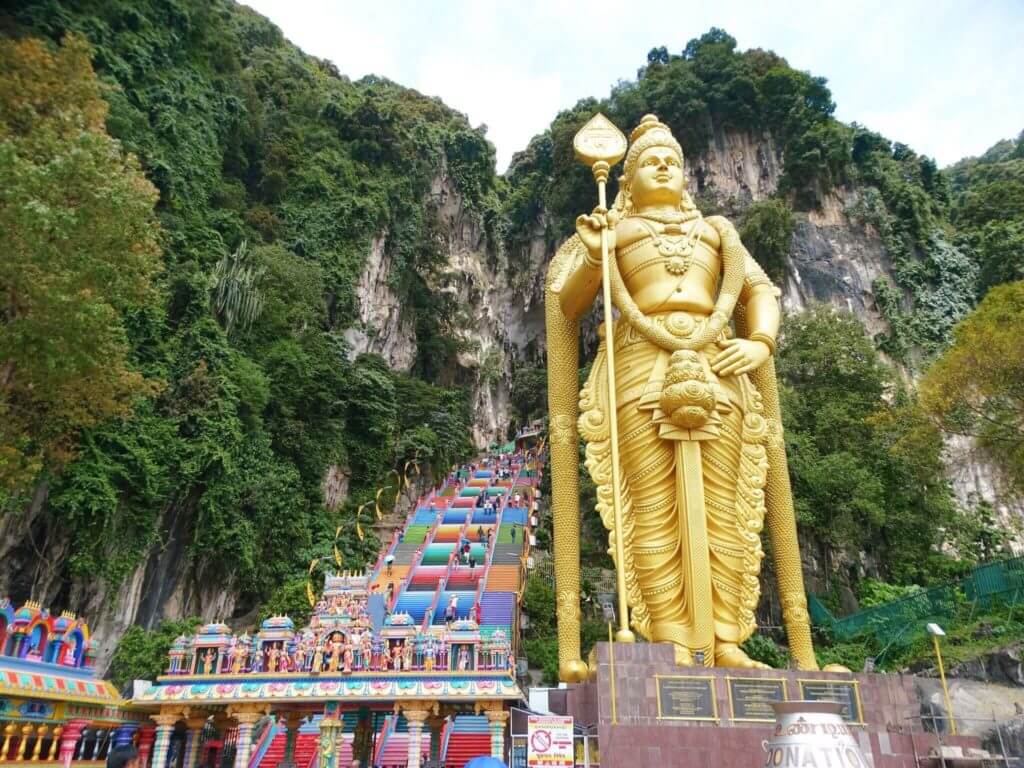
point(653, 172)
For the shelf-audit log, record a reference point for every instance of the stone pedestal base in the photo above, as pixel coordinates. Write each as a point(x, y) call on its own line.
point(888, 734)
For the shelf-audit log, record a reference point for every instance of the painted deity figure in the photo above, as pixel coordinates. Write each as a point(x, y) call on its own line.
point(208, 661)
point(366, 650)
point(407, 654)
point(335, 658)
point(699, 437)
point(318, 658)
point(428, 655)
point(347, 659)
point(463, 663)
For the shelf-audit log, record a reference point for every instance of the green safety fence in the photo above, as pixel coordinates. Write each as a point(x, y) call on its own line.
point(901, 620)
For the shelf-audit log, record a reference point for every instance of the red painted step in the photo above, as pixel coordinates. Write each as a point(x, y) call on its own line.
point(463, 747)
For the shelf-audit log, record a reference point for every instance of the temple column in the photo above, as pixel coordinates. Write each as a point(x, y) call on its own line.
point(162, 742)
point(55, 742)
point(415, 718)
point(69, 740)
point(496, 719)
point(26, 733)
point(435, 724)
point(193, 737)
point(41, 732)
point(245, 721)
point(124, 734)
point(147, 735)
point(9, 731)
point(292, 723)
point(330, 730)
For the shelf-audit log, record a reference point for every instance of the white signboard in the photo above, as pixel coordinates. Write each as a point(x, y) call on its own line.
point(549, 742)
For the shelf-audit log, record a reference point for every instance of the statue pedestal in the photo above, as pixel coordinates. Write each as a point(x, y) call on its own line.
point(689, 716)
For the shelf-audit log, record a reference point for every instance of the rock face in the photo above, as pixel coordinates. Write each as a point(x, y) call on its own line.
point(831, 259)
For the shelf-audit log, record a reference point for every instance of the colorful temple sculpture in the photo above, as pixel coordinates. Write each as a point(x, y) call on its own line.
point(410, 663)
point(53, 709)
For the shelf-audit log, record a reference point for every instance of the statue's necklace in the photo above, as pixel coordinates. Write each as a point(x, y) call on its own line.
point(675, 247)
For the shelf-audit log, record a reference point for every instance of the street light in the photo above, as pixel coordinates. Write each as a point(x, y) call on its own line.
point(608, 609)
point(936, 632)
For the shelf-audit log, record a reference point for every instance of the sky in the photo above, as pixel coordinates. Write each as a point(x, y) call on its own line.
point(945, 77)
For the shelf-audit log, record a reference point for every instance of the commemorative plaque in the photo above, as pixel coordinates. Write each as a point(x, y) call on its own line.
point(751, 698)
point(844, 693)
point(682, 697)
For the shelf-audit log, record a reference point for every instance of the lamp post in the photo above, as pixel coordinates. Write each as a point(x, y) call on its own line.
point(608, 608)
point(936, 632)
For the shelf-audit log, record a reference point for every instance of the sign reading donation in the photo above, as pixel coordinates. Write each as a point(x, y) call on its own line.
point(549, 742)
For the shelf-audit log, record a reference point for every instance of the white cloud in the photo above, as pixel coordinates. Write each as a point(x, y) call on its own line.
point(939, 75)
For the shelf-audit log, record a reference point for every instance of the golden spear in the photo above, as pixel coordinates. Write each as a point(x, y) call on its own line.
point(601, 145)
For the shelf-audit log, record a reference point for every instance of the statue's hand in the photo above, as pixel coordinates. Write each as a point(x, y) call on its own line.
point(740, 356)
point(589, 229)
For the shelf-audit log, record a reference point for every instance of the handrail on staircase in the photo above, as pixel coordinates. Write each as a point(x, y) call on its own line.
point(428, 615)
point(263, 743)
point(446, 736)
point(390, 722)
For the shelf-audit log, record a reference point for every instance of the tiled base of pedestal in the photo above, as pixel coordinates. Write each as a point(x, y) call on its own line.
point(641, 738)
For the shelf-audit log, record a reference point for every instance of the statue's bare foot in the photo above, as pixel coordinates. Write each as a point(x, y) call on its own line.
point(730, 655)
point(683, 656)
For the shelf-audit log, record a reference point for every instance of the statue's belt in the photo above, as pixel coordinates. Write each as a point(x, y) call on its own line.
point(679, 323)
point(718, 397)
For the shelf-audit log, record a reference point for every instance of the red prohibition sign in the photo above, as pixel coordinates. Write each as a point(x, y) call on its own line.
point(541, 741)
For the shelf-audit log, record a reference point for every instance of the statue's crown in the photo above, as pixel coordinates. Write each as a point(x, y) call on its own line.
point(651, 132)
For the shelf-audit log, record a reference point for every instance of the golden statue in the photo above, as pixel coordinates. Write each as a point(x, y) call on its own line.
point(692, 461)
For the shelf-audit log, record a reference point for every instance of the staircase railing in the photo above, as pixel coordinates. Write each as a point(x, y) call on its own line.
point(446, 736)
point(263, 743)
point(428, 615)
point(385, 734)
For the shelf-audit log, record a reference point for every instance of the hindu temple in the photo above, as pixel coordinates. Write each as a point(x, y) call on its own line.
point(408, 664)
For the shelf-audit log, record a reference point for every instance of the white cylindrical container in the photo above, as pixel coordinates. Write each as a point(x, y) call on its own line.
point(811, 733)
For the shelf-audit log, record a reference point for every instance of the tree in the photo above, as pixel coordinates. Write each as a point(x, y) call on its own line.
point(767, 231)
point(79, 244)
point(866, 467)
point(976, 388)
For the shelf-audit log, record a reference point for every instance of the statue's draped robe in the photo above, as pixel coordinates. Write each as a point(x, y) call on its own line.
point(733, 469)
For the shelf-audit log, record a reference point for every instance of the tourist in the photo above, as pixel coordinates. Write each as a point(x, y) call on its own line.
point(390, 561)
point(513, 531)
point(472, 565)
point(477, 613)
point(480, 534)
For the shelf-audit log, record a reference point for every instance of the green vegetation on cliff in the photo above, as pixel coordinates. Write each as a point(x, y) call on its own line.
point(195, 375)
point(275, 174)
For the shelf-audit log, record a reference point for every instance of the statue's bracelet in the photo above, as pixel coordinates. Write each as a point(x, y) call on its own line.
point(591, 262)
point(765, 339)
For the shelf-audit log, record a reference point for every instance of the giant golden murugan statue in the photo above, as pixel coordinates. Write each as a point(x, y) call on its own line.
point(699, 439)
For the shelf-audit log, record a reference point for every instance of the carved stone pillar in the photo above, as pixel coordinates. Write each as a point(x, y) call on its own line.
point(415, 718)
point(292, 723)
point(9, 731)
point(496, 719)
point(147, 735)
point(26, 734)
point(162, 743)
point(245, 721)
point(55, 743)
point(41, 732)
point(330, 729)
point(69, 740)
point(193, 736)
point(124, 734)
point(435, 724)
